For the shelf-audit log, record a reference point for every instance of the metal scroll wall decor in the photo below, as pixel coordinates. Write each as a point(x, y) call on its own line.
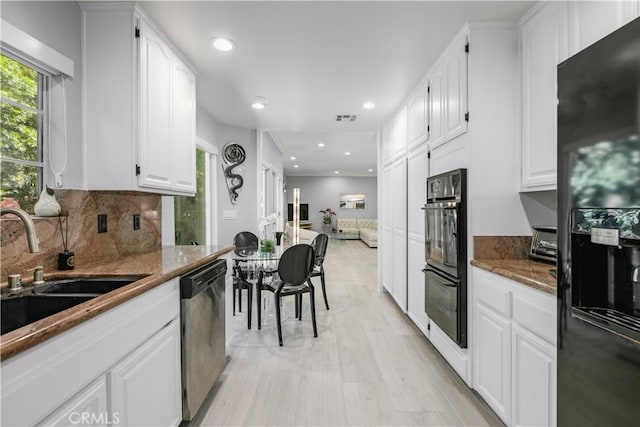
point(233, 155)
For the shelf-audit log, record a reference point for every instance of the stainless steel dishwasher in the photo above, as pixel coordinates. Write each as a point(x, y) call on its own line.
point(203, 339)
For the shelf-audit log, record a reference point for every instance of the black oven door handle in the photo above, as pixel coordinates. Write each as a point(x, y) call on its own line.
point(446, 281)
point(439, 208)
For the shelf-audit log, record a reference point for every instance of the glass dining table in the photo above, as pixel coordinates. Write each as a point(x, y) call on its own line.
point(252, 263)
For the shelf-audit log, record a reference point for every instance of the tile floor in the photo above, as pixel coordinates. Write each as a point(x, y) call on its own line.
point(369, 366)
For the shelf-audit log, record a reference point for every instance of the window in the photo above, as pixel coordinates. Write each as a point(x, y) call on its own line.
point(23, 119)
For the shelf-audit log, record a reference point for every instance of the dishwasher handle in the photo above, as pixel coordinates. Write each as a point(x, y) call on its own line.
point(198, 280)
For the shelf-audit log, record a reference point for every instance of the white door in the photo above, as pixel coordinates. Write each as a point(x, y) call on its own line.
point(418, 116)
point(386, 245)
point(534, 380)
point(436, 106)
point(146, 386)
point(87, 408)
point(456, 90)
point(416, 198)
point(155, 110)
point(544, 46)
point(399, 203)
point(184, 128)
point(493, 360)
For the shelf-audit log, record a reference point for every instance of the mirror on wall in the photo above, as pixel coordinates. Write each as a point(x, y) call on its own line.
point(353, 201)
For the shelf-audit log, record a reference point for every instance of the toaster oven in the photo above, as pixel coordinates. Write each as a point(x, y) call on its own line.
point(544, 243)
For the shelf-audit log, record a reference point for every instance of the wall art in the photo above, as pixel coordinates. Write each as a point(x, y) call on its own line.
point(233, 155)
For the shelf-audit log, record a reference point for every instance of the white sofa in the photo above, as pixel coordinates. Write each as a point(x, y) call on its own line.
point(305, 236)
point(365, 229)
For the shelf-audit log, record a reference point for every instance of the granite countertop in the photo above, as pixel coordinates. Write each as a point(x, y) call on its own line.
point(158, 267)
point(526, 271)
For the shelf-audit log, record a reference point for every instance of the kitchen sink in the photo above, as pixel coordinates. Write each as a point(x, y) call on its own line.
point(35, 303)
point(84, 286)
point(21, 310)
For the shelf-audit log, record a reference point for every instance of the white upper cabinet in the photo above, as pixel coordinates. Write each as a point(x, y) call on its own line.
point(544, 45)
point(138, 104)
point(589, 21)
point(155, 109)
point(455, 66)
point(418, 116)
point(449, 93)
point(549, 34)
point(436, 106)
point(400, 133)
point(184, 127)
point(387, 142)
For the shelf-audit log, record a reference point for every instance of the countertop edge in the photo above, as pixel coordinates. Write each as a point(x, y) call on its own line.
point(28, 336)
point(488, 265)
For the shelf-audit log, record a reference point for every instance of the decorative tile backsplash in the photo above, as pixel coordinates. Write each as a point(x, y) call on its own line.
point(81, 209)
point(501, 247)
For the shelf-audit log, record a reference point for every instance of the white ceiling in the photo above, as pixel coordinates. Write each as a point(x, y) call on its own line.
point(314, 60)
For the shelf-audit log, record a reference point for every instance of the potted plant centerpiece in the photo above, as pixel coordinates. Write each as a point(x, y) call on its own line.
point(327, 217)
point(267, 232)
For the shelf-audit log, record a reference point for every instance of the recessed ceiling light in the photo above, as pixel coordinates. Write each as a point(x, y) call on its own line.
point(347, 153)
point(295, 166)
point(260, 103)
point(368, 105)
point(292, 158)
point(336, 172)
point(370, 170)
point(223, 44)
point(321, 144)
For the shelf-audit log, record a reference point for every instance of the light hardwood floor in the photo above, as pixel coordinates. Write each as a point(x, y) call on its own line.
point(369, 365)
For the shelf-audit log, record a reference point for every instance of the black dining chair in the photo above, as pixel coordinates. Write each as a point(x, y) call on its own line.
point(245, 242)
point(319, 244)
point(294, 268)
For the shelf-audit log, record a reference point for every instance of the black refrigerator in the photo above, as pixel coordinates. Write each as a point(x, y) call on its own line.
point(599, 233)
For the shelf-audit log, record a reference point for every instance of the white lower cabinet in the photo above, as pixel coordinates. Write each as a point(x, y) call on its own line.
point(514, 355)
point(87, 408)
point(533, 379)
point(120, 368)
point(493, 359)
point(155, 366)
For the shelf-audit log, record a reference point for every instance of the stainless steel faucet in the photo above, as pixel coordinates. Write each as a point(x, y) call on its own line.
point(32, 238)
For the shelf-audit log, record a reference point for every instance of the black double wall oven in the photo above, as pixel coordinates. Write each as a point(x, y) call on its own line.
point(446, 253)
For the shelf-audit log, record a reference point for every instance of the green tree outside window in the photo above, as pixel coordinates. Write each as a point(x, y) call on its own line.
point(22, 119)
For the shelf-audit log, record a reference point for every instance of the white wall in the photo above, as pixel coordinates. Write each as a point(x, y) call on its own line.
point(271, 154)
point(57, 24)
point(322, 192)
point(541, 207)
point(247, 205)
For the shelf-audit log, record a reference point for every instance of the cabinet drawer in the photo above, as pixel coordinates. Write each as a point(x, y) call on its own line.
point(537, 314)
point(489, 291)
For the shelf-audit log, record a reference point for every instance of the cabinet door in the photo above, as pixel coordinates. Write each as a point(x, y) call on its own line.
point(436, 106)
point(155, 110)
point(87, 408)
point(400, 133)
point(399, 203)
point(418, 117)
point(493, 360)
point(386, 246)
point(455, 67)
point(534, 380)
point(592, 20)
point(544, 46)
point(183, 149)
point(416, 197)
point(387, 142)
point(145, 387)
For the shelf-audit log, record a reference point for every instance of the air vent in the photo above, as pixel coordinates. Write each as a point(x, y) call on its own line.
point(346, 118)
